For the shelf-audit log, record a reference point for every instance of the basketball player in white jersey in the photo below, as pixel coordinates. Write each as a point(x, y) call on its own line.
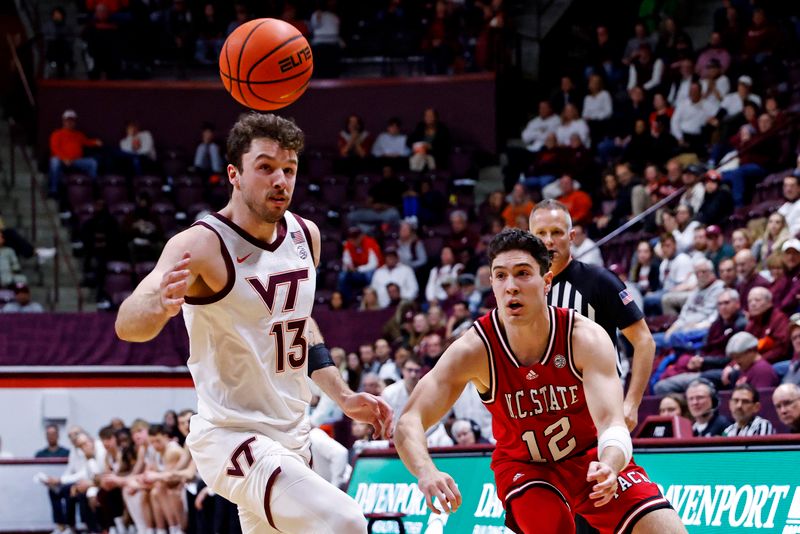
point(245, 279)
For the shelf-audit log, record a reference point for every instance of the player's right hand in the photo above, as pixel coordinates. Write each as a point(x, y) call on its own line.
point(444, 488)
point(174, 285)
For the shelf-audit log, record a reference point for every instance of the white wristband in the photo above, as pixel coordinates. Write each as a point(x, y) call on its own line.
point(619, 437)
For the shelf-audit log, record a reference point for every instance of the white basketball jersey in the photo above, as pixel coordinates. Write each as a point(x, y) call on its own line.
point(248, 351)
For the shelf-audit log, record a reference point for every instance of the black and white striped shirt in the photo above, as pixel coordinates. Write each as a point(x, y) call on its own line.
point(757, 427)
point(596, 293)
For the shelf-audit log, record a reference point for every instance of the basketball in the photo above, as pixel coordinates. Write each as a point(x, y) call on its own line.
point(266, 64)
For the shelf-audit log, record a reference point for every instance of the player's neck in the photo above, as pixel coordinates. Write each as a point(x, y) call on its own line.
point(527, 348)
point(247, 221)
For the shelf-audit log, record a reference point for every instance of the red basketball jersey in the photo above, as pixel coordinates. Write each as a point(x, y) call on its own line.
point(539, 412)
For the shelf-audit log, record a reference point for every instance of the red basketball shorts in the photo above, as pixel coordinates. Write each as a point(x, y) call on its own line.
point(636, 494)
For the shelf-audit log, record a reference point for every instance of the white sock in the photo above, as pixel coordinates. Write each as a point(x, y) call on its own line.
point(161, 531)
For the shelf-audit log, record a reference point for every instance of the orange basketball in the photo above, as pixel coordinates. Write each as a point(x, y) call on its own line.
point(266, 64)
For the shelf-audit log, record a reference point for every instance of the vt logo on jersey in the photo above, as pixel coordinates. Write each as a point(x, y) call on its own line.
point(267, 292)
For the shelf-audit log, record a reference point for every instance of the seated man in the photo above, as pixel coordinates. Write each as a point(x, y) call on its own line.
point(701, 395)
point(745, 404)
point(730, 319)
point(786, 399)
point(66, 151)
point(675, 275)
point(699, 311)
point(747, 366)
point(85, 488)
point(768, 324)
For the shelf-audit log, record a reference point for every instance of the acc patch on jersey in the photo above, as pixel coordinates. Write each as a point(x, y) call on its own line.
point(560, 361)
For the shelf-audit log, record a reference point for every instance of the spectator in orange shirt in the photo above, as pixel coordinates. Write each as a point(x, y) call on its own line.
point(360, 257)
point(578, 202)
point(66, 151)
point(519, 204)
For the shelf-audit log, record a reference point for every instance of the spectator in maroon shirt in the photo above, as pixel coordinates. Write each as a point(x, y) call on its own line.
point(768, 324)
point(761, 38)
point(461, 239)
point(712, 357)
point(747, 366)
point(746, 273)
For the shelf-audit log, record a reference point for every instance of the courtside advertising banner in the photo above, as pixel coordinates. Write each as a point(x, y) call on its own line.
point(714, 492)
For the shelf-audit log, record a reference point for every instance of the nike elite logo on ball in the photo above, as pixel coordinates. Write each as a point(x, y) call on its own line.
point(240, 260)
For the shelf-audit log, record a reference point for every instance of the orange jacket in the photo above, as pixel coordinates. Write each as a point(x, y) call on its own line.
point(66, 144)
point(579, 204)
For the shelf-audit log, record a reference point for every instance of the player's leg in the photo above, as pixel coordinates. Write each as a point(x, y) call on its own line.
point(539, 510)
point(302, 501)
point(664, 521)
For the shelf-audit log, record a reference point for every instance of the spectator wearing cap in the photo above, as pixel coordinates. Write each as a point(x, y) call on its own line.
point(733, 103)
point(711, 356)
point(583, 248)
point(699, 311)
point(716, 247)
point(786, 290)
point(747, 366)
point(22, 302)
point(789, 370)
point(690, 118)
point(67, 146)
point(745, 403)
point(361, 256)
point(786, 399)
point(717, 203)
point(394, 272)
point(791, 208)
point(768, 324)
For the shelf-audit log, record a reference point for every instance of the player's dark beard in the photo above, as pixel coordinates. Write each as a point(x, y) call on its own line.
point(271, 216)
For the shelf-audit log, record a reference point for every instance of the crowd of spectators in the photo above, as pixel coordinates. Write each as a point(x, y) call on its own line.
point(130, 38)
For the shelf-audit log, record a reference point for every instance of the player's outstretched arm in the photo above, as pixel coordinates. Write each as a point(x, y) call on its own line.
point(159, 296)
point(362, 407)
point(644, 349)
point(596, 359)
point(431, 399)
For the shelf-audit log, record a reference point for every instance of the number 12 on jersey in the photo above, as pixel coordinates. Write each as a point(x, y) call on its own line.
point(298, 350)
point(529, 436)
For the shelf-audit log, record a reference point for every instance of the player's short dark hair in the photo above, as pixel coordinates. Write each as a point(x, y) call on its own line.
point(157, 429)
point(755, 396)
point(254, 125)
point(516, 239)
point(107, 432)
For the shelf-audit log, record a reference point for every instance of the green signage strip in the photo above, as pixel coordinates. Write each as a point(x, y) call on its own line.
point(714, 492)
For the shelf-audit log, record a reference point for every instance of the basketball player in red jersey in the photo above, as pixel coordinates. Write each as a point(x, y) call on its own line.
point(548, 376)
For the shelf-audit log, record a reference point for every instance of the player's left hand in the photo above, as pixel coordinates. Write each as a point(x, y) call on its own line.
point(368, 408)
point(631, 412)
point(606, 486)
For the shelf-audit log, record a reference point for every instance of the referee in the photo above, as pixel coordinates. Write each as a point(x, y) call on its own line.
point(596, 293)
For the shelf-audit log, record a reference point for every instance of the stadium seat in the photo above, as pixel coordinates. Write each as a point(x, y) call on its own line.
point(188, 190)
point(118, 278)
point(79, 190)
point(319, 165)
point(165, 213)
point(334, 190)
point(83, 213)
point(152, 185)
point(121, 210)
point(114, 189)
